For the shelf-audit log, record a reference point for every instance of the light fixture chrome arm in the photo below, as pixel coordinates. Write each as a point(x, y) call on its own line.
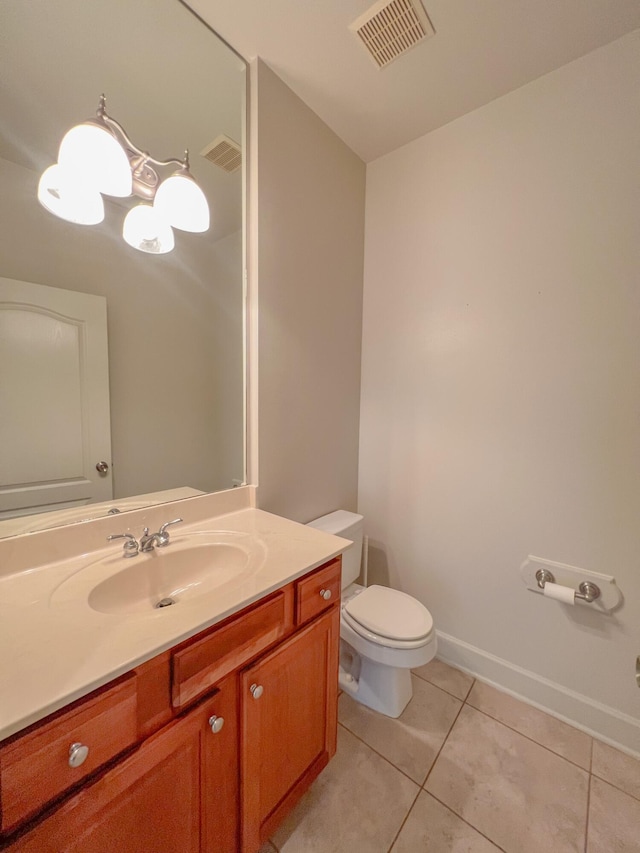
point(118, 129)
point(143, 166)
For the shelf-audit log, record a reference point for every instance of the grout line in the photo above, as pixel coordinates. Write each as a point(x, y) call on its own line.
point(608, 781)
point(406, 817)
point(444, 689)
point(527, 738)
point(379, 754)
point(435, 760)
point(586, 825)
point(615, 787)
point(533, 740)
point(464, 820)
point(440, 689)
point(475, 828)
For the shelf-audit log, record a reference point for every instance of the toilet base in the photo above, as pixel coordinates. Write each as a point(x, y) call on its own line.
point(386, 689)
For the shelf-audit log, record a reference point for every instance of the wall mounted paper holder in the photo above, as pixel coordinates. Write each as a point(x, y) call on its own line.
point(537, 571)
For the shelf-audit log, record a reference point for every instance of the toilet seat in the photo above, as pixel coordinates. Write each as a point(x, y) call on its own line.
point(388, 617)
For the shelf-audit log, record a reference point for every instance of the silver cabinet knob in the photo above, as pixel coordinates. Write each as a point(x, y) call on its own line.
point(256, 690)
point(326, 594)
point(102, 467)
point(77, 754)
point(216, 723)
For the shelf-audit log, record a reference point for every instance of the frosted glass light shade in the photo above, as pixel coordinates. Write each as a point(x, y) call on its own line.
point(146, 230)
point(182, 203)
point(92, 151)
point(63, 193)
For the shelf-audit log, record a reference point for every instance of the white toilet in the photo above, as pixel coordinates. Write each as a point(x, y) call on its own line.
point(384, 633)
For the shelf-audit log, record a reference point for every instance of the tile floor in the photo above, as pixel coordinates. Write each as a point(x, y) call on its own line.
point(465, 769)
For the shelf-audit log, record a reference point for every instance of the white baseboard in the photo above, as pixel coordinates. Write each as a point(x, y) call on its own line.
point(605, 723)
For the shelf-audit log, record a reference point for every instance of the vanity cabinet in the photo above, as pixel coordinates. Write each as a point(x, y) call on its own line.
point(289, 725)
point(148, 802)
point(59, 754)
point(203, 749)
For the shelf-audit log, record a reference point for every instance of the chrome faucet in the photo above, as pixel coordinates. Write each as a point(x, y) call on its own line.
point(159, 539)
point(147, 541)
point(131, 545)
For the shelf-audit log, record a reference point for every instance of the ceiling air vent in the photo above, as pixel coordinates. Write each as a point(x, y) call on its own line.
point(391, 28)
point(224, 152)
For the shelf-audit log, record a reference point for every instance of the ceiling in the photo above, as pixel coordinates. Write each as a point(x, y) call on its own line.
point(482, 50)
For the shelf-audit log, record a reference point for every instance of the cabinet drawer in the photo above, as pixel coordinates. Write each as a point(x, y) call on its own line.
point(35, 769)
point(201, 664)
point(317, 591)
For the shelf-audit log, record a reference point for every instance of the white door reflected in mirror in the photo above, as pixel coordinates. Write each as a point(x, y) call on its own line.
point(54, 382)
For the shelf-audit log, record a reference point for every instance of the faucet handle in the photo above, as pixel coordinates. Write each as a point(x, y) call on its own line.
point(162, 533)
point(128, 536)
point(130, 546)
point(163, 529)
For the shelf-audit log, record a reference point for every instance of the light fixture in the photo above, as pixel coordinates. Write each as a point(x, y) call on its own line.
point(181, 201)
point(62, 192)
point(145, 229)
point(97, 157)
point(91, 150)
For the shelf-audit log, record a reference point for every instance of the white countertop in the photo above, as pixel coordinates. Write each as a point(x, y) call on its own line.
point(54, 648)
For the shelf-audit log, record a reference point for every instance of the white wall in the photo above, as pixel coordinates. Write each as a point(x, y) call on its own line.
point(501, 381)
point(310, 200)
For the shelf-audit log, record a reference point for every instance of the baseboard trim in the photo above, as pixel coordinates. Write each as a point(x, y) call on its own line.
point(603, 722)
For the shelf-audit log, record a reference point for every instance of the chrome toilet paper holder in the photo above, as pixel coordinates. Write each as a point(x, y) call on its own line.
point(587, 591)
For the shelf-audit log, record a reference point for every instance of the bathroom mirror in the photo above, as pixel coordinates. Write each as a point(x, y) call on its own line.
point(176, 366)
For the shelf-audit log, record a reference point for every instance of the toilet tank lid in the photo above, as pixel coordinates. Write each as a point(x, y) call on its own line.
point(336, 522)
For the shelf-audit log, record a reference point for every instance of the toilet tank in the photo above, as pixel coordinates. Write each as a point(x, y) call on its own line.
point(349, 525)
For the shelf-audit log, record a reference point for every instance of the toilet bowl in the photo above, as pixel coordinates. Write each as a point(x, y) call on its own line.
point(384, 633)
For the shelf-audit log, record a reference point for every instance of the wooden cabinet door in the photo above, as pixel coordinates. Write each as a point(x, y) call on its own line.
point(178, 793)
point(288, 708)
point(150, 802)
point(220, 777)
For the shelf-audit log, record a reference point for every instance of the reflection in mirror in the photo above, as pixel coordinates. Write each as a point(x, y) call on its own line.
point(121, 371)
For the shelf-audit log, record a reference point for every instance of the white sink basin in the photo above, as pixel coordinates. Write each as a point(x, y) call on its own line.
point(189, 567)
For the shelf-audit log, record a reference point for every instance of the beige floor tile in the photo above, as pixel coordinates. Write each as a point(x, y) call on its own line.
point(614, 820)
point(434, 828)
point(446, 677)
point(543, 728)
point(523, 797)
point(614, 766)
point(356, 805)
point(410, 742)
